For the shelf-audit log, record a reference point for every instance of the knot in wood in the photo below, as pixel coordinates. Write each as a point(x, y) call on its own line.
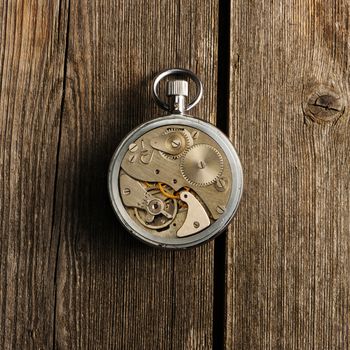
point(324, 105)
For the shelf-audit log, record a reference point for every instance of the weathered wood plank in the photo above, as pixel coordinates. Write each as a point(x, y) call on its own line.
point(32, 50)
point(288, 252)
point(114, 292)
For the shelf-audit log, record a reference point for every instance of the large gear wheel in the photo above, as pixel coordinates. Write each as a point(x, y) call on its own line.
point(182, 137)
point(201, 165)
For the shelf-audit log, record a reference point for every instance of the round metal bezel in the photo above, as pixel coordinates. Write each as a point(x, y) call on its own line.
point(199, 238)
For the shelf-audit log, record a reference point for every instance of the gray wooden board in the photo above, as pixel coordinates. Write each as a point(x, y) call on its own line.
point(288, 251)
point(32, 52)
point(112, 291)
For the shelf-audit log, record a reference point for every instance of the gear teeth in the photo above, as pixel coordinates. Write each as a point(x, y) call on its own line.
point(186, 134)
point(169, 130)
point(216, 165)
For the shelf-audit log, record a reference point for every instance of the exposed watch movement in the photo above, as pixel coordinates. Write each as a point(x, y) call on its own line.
point(175, 181)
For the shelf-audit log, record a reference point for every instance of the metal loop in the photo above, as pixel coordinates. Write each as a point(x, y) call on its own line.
point(177, 71)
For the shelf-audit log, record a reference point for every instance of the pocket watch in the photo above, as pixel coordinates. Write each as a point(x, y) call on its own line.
point(176, 181)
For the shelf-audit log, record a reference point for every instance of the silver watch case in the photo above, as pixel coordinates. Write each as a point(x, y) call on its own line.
point(184, 242)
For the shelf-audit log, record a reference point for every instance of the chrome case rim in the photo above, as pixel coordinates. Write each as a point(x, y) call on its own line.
point(199, 238)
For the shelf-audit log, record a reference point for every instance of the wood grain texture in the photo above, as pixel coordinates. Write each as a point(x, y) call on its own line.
point(32, 50)
point(112, 291)
point(288, 252)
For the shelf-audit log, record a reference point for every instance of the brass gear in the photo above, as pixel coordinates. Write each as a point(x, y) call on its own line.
point(153, 218)
point(182, 135)
point(202, 165)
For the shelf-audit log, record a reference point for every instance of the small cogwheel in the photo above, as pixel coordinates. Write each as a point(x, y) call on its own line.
point(179, 140)
point(202, 165)
point(158, 211)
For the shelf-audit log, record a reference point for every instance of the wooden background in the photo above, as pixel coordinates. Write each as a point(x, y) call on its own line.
point(75, 78)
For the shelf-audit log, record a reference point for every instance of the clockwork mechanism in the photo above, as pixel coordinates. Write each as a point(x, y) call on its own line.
point(176, 181)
